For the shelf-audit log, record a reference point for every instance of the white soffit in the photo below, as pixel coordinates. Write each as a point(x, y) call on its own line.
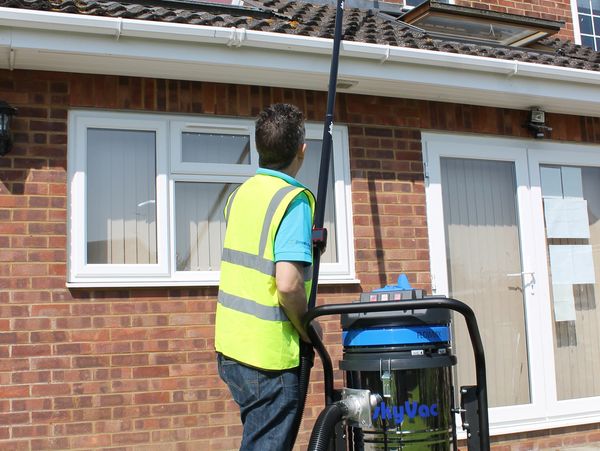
point(97, 45)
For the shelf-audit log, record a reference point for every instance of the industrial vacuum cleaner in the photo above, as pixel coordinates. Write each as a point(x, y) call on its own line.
point(397, 355)
point(397, 363)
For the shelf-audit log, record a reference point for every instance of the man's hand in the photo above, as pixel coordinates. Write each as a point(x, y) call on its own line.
point(289, 277)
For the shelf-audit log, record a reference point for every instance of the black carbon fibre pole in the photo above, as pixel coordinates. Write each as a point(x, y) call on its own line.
point(320, 234)
point(307, 353)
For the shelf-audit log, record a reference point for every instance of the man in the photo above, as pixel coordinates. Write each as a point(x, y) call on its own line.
point(266, 273)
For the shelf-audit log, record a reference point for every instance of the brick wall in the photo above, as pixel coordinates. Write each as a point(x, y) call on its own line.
point(541, 9)
point(134, 368)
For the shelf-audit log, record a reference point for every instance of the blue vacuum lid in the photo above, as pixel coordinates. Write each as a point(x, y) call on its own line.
point(396, 336)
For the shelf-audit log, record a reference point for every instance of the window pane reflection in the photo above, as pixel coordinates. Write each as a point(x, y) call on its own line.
point(215, 148)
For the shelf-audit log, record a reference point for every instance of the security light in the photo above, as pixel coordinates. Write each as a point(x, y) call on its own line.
point(6, 114)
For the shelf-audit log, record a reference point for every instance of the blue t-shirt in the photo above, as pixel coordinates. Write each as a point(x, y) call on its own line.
point(293, 241)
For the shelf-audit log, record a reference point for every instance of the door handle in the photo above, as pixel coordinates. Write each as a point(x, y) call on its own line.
point(519, 274)
point(529, 284)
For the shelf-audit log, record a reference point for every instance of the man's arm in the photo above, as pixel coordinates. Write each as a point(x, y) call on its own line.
point(292, 295)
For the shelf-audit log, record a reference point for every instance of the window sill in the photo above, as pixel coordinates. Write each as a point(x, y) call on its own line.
point(180, 283)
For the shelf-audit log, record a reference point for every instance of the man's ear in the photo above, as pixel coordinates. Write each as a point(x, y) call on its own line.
point(301, 151)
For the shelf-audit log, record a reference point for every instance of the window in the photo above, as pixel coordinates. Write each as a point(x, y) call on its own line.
point(147, 194)
point(588, 23)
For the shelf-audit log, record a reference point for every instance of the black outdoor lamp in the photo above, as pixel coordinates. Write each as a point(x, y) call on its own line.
point(6, 114)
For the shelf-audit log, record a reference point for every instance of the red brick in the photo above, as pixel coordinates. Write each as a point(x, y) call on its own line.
point(30, 350)
point(30, 377)
point(90, 362)
point(151, 398)
point(91, 441)
point(50, 389)
point(14, 418)
point(14, 391)
point(30, 405)
point(30, 431)
point(58, 443)
point(151, 371)
point(131, 438)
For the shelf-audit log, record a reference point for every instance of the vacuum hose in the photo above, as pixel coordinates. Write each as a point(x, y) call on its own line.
point(307, 357)
point(325, 426)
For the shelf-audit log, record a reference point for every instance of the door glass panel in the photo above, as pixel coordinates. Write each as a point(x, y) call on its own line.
point(571, 199)
point(484, 271)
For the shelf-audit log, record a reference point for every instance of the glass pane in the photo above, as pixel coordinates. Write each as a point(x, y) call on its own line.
point(486, 30)
point(572, 218)
point(215, 148)
point(200, 224)
point(483, 252)
point(121, 196)
point(583, 6)
point(585, 24)
point(587, 41)
point(597, 43)
point(596, 7)
point(309, 176)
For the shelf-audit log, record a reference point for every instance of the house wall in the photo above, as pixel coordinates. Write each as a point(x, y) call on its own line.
point(135, 368)
point(541, 9)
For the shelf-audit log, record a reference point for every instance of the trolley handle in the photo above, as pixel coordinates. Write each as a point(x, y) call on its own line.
point(403, 305)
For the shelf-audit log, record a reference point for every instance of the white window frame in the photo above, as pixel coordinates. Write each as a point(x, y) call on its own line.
point(575, 19)
point(171, 169)
point(343, 270)
point(576, 28)
point(79, 270)
point(545, 410)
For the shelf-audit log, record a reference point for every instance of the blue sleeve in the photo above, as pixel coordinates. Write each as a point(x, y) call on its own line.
point(293, 241)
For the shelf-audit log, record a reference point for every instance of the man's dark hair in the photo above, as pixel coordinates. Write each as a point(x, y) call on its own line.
point(279, 134)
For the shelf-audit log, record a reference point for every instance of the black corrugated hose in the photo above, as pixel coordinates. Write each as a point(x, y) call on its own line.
point(324, 428)
point(307, 358)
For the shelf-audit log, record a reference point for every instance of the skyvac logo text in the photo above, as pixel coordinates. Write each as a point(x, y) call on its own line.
point(410, 409)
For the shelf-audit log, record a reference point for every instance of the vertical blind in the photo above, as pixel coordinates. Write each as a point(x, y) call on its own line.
point(200, 224)
point(482, 240)
point(121, 196)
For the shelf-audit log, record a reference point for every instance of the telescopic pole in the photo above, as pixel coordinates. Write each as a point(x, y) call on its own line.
point(320, 234)
point(307, 353)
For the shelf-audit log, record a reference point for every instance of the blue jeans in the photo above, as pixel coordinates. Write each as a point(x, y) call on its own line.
point(268, 403)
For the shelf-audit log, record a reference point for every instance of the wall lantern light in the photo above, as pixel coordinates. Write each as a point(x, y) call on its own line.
point(6, 114)
point(537, 123)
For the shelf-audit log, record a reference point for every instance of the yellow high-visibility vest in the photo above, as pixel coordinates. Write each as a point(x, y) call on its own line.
point(251, 327)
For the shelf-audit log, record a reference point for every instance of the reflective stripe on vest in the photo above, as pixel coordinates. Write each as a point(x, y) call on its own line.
point(250, 307)
point(260, 264)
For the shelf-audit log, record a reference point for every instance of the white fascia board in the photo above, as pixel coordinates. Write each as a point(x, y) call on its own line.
point(75, 43)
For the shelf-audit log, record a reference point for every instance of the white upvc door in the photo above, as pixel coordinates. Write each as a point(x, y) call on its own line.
point(514, 229)
point(479, 213)
point(565, 188)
